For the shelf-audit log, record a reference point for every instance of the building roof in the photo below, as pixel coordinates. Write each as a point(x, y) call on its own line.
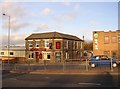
point(51, 35)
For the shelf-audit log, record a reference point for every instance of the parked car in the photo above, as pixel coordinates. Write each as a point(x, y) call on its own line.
point(103, 60)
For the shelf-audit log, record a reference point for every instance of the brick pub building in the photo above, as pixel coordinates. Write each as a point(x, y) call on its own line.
point(107, 43)
point(53, 46)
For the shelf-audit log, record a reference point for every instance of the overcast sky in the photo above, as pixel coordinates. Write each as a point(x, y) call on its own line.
point(75, 18)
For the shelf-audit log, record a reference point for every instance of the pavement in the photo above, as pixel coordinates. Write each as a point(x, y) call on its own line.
point(85, 72)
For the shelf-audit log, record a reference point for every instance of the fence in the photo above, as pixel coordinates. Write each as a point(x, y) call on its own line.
point(77, 66)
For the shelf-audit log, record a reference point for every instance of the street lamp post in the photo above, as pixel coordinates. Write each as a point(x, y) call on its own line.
point(8, 37)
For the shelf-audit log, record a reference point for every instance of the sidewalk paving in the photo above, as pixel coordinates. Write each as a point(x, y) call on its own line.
point(89, 72)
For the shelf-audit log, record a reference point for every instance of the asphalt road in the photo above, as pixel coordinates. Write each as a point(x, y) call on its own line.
point(59, 80)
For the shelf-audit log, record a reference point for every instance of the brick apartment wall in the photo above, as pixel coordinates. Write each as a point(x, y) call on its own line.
point(103, 46)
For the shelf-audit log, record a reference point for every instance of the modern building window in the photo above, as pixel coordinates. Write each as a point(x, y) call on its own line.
point(46, 43)
point(114, 39)
point(30, 43)
point(107, 53)
point(11, 53)
point(114, 54)
point(37, 43)
point(31, 55)
point(106, 39)
point(58, 45)
point(2, 53)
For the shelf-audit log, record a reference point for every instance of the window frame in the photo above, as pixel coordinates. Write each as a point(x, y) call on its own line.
point(11, 54)
point(37, 42)
point(107, 39)
point(3, 53)
point(30, 43)
point(46, 43)
point(112, 40)
point(31, 55)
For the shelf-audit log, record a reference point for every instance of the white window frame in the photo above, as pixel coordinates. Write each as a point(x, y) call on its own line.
point(67, 55)
point(45, 54)
point(67, 44)
point(30, 54)
point(30, 44)
point(46, 43)
point(37, 43)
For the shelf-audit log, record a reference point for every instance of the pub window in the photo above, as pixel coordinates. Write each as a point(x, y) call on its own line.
point(65, 44)
point(31, 55)
point(30, 43)
point(58, 56)
point(46, 43)
point(48, 56)
point(69, 44)
point(37, 43)
point(74, 45)
point(114, 39)
point(58, 45)
point(11, 53)
point(77, 45)
point(2, 53)
point(106, 40)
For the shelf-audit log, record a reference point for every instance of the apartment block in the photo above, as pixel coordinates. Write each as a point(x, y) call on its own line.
point(54, 47)
point(107, 43)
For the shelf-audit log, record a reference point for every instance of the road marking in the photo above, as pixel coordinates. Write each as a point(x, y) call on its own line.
point(90, 84)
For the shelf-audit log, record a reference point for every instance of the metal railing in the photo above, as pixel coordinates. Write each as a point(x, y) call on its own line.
point(65, 66)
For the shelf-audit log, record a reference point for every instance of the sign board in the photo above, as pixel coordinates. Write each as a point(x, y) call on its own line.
point(95, 35)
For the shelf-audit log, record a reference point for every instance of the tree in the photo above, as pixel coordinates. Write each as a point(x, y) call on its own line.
point(88, 46)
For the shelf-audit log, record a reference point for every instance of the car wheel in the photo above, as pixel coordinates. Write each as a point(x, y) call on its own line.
point(93, 65)
point(114, 64)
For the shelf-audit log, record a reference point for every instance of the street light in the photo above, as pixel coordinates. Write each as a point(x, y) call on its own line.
point(8, 37)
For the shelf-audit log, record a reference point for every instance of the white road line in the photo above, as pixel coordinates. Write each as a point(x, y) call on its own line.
point(90, 84)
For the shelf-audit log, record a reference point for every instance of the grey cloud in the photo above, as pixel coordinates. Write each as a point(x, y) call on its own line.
point(14, 40)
